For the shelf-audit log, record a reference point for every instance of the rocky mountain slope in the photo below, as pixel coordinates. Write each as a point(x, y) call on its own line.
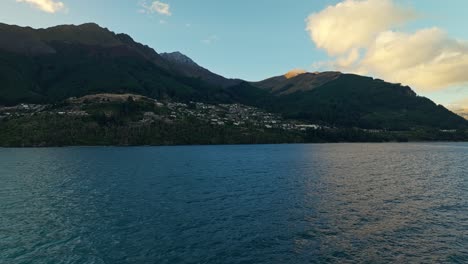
point(187, 67)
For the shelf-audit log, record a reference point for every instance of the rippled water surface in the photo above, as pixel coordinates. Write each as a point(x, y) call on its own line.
point(332, 203)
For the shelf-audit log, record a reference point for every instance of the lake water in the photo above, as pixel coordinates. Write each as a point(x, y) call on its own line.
point(331, 203)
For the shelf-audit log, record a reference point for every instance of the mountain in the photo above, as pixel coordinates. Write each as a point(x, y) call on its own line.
point(348, 100)
point(52, 64)
point(189, 68)
point(47, 65)
point(295, 81)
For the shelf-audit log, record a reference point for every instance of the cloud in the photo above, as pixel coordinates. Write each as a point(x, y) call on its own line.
point(362, 37)
point(156, 7)
point(460, 104)
point(428, 59)
point(353, 24)
point(210, 40)
point(460, 107)
point(49, 6)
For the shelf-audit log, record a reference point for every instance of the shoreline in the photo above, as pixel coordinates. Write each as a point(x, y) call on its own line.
point(214, 145)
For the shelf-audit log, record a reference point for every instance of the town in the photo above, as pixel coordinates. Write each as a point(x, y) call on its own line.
point(215, 114)
point(236, 115)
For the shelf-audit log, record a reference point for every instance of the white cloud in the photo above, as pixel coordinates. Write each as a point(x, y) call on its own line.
point(49, 6)
point(353, 24)
point(360, 37)
point(156, 7)
point(210, 40)
point(427, 59)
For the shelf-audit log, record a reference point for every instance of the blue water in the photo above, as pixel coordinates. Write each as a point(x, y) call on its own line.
point(332, 203)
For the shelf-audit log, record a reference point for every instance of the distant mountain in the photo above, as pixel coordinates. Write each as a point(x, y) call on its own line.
point(47, 65)
point(180, 59)
point(53, 64)
point(189, 68)
point(347, 100)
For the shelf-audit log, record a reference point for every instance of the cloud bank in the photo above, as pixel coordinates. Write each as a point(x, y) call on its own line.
point(156, 7)
point(354, 24)
point(460, 107)
point(362, 36)
point(49, 6)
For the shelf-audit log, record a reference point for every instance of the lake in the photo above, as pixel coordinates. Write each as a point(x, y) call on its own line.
point(330, 203)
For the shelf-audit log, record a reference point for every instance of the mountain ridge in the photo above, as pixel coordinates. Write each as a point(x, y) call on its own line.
point(71, 60)
point(190, 68)
point(287, 84)
point(68, 60)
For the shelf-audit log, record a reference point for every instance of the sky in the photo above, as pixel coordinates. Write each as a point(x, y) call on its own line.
point(421, 43)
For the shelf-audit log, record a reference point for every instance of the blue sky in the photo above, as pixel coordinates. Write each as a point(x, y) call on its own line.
point(249, 39)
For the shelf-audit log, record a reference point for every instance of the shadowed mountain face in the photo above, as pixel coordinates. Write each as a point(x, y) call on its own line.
point(22, 41)
point(189, 68)
point(355, 101)
point(50, 65)
point(25, 40)
point(347, 100)
point(47, 65)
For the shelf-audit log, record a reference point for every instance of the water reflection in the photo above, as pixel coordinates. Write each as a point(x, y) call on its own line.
point(235, 204)
point(382, 203)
